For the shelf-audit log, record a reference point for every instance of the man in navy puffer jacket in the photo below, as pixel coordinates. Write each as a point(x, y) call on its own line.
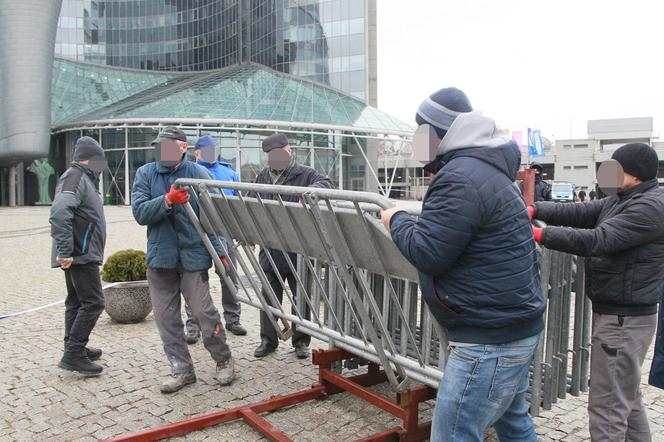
point(474, 250)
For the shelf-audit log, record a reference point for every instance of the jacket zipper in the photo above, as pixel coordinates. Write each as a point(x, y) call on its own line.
point(85, 240)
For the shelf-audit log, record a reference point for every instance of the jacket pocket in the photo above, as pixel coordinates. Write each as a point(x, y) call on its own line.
point(83, 231)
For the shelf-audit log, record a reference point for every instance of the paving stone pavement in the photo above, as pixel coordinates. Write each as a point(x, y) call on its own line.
point(41, 402)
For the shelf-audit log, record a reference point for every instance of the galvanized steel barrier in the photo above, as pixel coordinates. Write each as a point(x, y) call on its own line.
point(362, 293)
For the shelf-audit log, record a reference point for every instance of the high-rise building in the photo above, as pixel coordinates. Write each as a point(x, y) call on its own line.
point(235, 69)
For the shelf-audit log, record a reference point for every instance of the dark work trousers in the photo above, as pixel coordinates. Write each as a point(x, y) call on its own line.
point(84, 304)
point(615, 406)
point(267, 330)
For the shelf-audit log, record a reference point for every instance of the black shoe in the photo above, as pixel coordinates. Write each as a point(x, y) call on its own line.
point(93, 353)
point(80, 363)
point(301, 351)
point(192, 336)
point(236, 328)
point(264, 349)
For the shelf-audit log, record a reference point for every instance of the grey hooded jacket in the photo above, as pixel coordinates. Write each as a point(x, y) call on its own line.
point(78, 225)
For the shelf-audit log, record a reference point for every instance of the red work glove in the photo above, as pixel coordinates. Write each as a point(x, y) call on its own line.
point(224, 261)
point(537, 233)
point(531, 212)
point(177, 196)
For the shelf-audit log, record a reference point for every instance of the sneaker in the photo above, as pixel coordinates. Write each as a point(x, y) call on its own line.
point(225, 372)
point(192, 336)
point(301, 351)
point(177, 381)
point(80, 363)
point(236, 328)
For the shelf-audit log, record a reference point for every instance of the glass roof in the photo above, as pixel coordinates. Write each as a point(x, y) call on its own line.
point(85, 93)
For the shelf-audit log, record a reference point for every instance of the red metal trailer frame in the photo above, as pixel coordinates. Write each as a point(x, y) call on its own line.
point(405, 407)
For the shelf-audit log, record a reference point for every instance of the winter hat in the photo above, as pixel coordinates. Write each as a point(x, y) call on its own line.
point(638, 159)
point(441, 108)
point(87, 148)
point(275, 141)
point(205, 140)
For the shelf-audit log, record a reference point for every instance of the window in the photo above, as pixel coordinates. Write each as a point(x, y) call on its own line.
point(580, 146)
point(580, 167)
point(567, 167)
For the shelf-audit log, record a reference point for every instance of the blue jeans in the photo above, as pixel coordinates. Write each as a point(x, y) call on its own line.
point(657, 368)
point(484, 386)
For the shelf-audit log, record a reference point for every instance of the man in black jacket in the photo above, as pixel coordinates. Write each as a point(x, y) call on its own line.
point(283, 170)
point(78, 229)
point(624, 237)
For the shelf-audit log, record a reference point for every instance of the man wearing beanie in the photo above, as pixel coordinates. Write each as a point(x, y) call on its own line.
point(623, 237)
point(206, 153)
point(78, 229)
point(473, 248)
point(177, 261)
point(283, 170)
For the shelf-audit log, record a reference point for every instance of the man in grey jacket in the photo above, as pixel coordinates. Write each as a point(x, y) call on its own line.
point(623, 236)
point(78, 229)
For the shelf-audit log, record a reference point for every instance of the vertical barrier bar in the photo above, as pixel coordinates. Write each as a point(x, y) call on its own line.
point(579, 316)
point(563, 349)
point(538, 359)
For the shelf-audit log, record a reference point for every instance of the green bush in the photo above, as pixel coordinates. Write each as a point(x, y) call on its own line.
point(125, 265)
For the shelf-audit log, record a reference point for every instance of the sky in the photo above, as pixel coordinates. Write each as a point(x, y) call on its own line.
point(549, 65)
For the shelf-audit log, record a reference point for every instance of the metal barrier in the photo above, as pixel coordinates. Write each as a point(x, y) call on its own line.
point(361, 292)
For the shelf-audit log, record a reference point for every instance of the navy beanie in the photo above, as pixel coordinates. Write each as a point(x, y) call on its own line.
point(638, 159)
point(87, 148)
point(441, 108)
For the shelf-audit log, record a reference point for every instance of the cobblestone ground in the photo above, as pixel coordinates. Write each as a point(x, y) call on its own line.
point(40, 401)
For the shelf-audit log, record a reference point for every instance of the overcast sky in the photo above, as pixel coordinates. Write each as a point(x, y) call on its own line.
point(549, 65)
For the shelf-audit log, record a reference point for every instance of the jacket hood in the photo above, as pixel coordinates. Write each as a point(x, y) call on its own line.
point(474, 135)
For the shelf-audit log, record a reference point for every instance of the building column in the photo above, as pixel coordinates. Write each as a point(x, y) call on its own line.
point(12, 186)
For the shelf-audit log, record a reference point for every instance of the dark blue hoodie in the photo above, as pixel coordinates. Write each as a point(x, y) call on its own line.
point(473, 244)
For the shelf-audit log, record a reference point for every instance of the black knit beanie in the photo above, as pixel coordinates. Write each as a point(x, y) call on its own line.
point(87, 148)
point(638, 159)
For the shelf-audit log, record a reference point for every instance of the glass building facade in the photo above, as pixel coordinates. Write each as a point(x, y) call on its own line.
point(320, 40)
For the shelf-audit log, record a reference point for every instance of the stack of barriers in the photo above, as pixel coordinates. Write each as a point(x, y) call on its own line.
point(363, 295)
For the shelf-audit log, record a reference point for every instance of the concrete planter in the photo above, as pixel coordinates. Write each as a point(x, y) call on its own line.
point(127, 302)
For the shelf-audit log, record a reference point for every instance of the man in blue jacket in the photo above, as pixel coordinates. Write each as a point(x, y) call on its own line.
point(206, 156)
point(177, 260)
point(474, 250)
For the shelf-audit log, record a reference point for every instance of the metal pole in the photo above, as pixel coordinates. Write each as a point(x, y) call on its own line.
point(126, 168)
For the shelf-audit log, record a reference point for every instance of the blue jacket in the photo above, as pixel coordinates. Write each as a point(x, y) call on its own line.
point(221, 171)
point(172, 238)
point(473, 245)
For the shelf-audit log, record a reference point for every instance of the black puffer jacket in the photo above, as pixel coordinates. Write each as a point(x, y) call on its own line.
point(624, 236)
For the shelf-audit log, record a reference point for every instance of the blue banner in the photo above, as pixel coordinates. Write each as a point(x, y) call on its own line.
point(535, 144)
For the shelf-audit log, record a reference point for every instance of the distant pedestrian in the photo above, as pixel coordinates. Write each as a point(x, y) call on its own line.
point(582, 196)
point(78, 229)
point(592, 195)
point(542, 188)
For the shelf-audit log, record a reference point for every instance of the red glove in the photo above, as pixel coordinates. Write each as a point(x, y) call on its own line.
point(224, 261)
point(177, 196)
point(531, 212)
point(537, 233)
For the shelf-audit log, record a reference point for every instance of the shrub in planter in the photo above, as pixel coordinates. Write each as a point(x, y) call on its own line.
point(125, 265)
point(127, 299)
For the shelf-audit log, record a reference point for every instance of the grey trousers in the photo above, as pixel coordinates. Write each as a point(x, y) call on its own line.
point(229, 302)
point(166, 288)
point(619, 347)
